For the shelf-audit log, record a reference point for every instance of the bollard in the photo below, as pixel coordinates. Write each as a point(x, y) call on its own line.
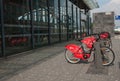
point(98, 60)
point(97, 67)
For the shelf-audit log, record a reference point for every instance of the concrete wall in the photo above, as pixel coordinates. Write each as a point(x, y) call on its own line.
point(103, 22)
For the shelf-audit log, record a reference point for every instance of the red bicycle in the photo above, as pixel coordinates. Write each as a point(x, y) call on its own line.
point(74, 53)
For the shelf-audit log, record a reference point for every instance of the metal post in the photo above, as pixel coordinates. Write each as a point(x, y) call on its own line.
point(72, 23)
point(59, 21)
point(31, 23)
point(87, 24)
point(2, 28)
point(91, 28)
point(67, 20)
point(49, 33)
point(80, 25)
point(77, 21)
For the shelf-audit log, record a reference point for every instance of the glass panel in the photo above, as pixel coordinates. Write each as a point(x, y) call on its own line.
point(74, 21)
point(78, 11)
point(0, 36)
point(83, 26)
point(17, 26)
point(54, 21)
point(70, 20)
point(63, 20)
point(40, 22)
point(83, 22)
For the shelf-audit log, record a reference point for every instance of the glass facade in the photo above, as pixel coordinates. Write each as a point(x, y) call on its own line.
point(16, 25)
point(31, 24)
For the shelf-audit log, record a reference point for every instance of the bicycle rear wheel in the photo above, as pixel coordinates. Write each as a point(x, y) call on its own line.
point(108, 56)
point(70, 57)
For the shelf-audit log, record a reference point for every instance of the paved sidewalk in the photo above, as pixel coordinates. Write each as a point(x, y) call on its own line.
point(49, 64)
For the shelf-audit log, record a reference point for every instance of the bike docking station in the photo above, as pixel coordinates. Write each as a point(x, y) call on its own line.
point(96, 67)
point(96, 47)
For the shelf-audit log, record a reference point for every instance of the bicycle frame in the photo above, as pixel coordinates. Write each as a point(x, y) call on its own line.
point(78, 51)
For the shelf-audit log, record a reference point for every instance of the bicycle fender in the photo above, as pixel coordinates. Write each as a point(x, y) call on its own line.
point(74, 48)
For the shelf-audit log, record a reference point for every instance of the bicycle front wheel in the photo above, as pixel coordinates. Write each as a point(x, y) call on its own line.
point(108, 56)
point(70, 57)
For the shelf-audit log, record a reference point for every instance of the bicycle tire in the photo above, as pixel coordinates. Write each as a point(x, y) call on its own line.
point(108, 56)
point(70, 57)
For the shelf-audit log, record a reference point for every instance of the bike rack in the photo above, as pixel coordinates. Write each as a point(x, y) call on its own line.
point(96, 67)
point(97, 56)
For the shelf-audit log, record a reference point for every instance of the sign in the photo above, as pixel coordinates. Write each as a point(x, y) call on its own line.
point(117, 17)
point(108, 13)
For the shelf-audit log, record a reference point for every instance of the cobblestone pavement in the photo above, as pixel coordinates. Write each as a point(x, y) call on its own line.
point(49, 64)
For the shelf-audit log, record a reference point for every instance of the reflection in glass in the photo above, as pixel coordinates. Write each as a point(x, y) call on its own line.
point(40, 22)
point(19, 22)
point(70, 19)
point(83, 22)
point(74, 21)
point(83, 26)
point(63, 20)
point(17, 26)
point(54, 19)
